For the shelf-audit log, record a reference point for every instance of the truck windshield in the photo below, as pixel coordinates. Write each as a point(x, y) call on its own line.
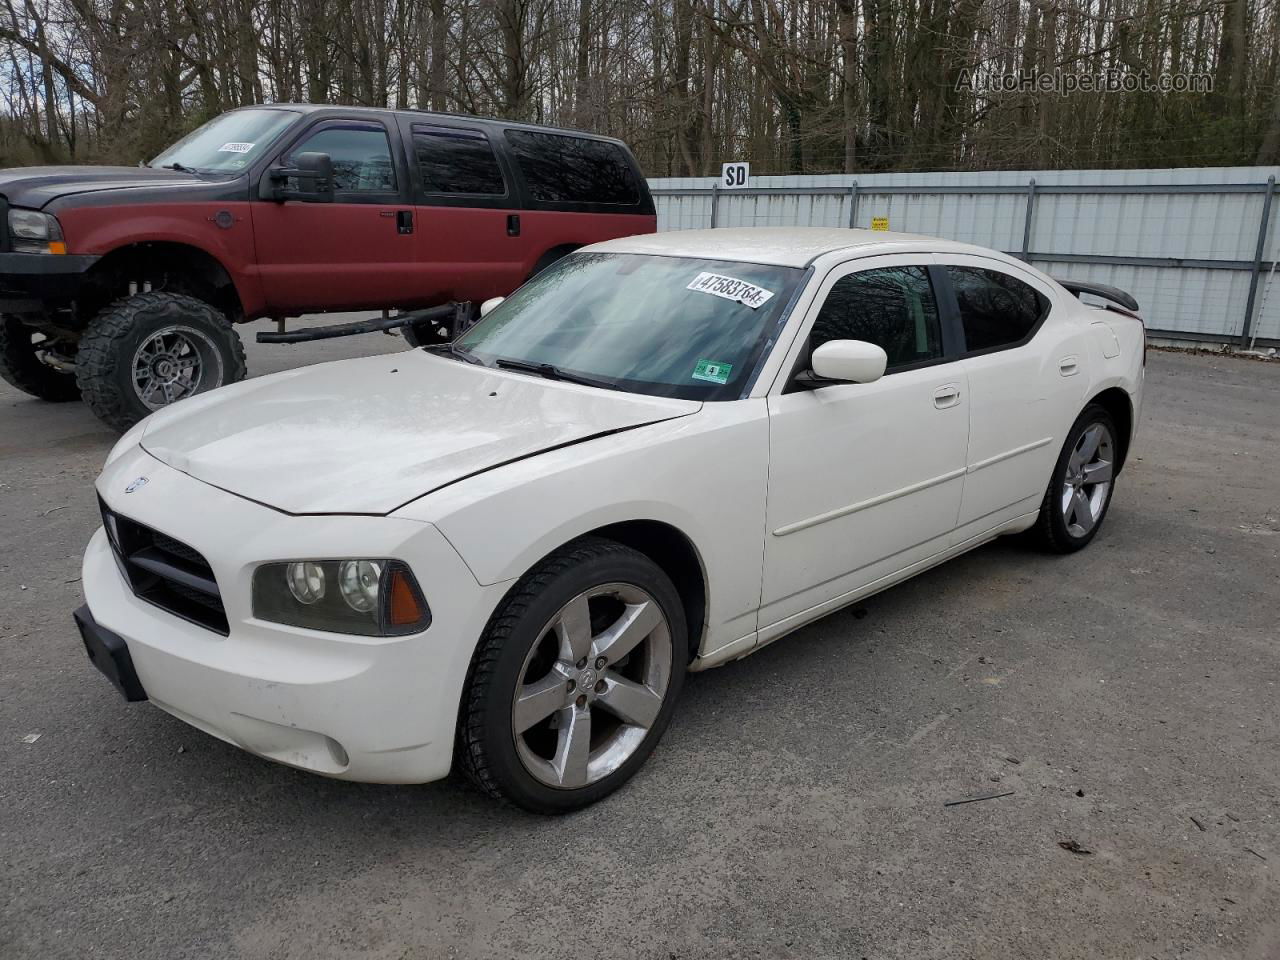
point(663, 326)
point(227, 144)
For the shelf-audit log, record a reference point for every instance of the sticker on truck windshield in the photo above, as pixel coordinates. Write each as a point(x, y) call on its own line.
point(235, 147)
point(712, 372)
point(731, 289)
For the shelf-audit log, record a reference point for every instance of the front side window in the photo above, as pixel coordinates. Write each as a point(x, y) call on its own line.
point(563, 169)
point(892, 307)
point(663, 326)
point(453, 160)
point(361, 155)
point(229, 143)
point(996, 310)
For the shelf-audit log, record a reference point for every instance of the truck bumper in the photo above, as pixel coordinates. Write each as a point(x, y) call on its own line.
point(30, 282)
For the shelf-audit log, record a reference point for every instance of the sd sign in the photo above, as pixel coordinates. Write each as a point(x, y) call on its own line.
point(735, 176)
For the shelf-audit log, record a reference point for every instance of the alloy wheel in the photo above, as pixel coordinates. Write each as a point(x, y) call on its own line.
point(173, 363)
point(1087, 483)
point(592, 686)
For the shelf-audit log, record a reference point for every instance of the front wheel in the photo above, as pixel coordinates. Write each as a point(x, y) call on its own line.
point(152, 349)
point(1083, 480)
point(574, 680)
point(35, 364)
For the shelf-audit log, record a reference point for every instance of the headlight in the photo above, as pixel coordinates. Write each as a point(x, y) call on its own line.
point(372, 598)
point(34, 232)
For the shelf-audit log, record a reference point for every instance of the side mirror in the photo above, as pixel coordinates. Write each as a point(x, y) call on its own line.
point(850, 361)
point(489, 304)
point(314, 175)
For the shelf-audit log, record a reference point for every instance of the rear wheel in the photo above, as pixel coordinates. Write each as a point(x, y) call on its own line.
point(575, 679)
point(152, 349)
point(35, 364)
point(1083, 480)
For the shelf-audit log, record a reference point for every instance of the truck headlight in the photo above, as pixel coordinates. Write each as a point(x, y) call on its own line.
point(34, 232)
point(371, 598)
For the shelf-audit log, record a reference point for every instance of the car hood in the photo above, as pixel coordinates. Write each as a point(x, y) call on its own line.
point(34, 187)
point(369, 435)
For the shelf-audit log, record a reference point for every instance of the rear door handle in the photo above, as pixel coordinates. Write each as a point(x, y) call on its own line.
point(948, 395)
point(513, 224)
point(404, 222)
point(1069, 366)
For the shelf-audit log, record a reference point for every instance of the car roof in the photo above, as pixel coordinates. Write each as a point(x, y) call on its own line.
point(426, 115)
point(777, 246)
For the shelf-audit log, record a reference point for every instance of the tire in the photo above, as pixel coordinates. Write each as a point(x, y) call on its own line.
point(528, 645)
point(21, 366)
point(1079, 493)
point(178, 345)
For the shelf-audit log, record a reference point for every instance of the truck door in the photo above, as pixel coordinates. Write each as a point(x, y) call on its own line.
point(470, 241)
point(358, 252)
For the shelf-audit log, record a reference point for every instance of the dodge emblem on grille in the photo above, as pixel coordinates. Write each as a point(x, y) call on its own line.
point(137, 484)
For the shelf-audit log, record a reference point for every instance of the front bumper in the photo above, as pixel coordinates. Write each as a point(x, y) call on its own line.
point(357, 708)
point(30, 282)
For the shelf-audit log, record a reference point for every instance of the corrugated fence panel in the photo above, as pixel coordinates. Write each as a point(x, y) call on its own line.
point(1154, 215)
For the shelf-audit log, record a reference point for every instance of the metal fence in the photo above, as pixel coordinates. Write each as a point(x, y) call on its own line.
point(1197, 247)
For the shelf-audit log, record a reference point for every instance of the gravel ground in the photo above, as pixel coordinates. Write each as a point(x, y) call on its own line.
point(1125, 698)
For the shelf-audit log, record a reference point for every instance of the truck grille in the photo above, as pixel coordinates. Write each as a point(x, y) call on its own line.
point(165, 572)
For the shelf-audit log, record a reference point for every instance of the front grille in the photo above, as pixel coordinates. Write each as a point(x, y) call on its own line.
point(165, 572)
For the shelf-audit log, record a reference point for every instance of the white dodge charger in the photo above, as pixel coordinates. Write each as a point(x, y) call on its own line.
point(657, 456)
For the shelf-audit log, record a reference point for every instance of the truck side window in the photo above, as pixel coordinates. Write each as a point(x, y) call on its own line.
point(454, 160)
point(361, 155)
point(564, 169)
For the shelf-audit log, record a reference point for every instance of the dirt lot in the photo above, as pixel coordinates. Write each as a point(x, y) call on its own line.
point(1126, 697)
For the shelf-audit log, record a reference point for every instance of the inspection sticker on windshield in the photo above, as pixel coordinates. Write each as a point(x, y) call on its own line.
point(235, 147)
point(731, 289)
point(712, 372)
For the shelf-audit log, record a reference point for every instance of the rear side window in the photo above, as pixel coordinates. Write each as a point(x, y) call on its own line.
point(997, 310)
point(453, 160)
point(563, 169)
point(361, 157)
point(893, 307)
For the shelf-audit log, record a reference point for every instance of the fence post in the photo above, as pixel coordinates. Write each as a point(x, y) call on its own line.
point(715, 202)
point(1026, 223)
point(853, 204)
point(1257, 262)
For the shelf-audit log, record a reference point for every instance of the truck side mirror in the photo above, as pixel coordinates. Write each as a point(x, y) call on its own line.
point(313, 173)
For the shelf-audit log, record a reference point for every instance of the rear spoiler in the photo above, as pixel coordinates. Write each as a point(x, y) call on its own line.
point(1114, 294)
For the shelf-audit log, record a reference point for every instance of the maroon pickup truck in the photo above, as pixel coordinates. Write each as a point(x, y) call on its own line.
point(120, 284)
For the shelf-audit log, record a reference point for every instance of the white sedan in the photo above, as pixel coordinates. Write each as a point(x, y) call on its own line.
point(661, 454)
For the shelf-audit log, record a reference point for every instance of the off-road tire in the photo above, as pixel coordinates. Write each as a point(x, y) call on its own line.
point(104, 362)
point(1051, 532)
point(21, 368)
point(484, 748)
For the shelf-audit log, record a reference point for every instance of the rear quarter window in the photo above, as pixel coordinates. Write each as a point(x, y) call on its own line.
point(558, 168)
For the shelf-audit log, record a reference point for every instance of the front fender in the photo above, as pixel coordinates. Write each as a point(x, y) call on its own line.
point(704, 474)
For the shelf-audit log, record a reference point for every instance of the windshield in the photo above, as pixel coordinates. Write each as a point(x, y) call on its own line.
point(664, 326)
point(229, 143)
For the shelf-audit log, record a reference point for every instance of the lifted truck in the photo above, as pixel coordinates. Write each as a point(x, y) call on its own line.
point(121, 284)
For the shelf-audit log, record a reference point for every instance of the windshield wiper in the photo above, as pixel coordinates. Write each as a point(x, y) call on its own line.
point(462, 353)
point(552, 372)
point(178, 168)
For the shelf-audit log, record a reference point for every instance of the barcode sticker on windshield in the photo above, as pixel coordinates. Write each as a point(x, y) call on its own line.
point(731, 289)
point(235, 147)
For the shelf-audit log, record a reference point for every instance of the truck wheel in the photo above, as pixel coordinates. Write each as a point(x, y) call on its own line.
point(22, 364)
point(152, 349)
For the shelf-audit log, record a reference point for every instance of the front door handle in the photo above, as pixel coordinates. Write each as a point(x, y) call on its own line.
point(404, 222)
point(513, 224)
point(947, 395)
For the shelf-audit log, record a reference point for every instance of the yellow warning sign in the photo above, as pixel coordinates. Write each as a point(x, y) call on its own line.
point(879, 223)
